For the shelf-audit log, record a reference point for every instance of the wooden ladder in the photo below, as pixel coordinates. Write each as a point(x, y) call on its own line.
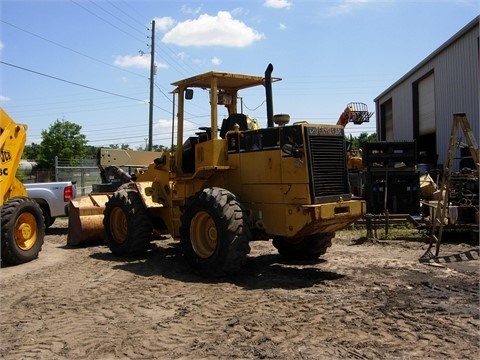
point(459, 120)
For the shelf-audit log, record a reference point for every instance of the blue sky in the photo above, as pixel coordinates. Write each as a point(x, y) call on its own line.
point(88, 62)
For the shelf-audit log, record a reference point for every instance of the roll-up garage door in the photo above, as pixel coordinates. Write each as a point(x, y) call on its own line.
point(387, 115)
point(426, 105)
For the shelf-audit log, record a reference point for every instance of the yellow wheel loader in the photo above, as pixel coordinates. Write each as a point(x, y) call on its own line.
point(235, 182)
point(22, 222)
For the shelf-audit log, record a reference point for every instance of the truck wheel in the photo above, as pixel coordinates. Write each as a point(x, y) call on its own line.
point(128, 227)
point(214, 232)
point(304, 248)
point(46, 216)
point(23, 230)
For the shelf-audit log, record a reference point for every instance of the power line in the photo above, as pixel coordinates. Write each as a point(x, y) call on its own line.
point(172, 56)
point(106, 21)
point(69, 49)
point(134, 9)
point(116, 17)
point(170, 63)
point(126, 14)
point(70, 82)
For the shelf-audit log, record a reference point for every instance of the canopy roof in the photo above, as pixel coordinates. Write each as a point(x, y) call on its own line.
point(224, 81)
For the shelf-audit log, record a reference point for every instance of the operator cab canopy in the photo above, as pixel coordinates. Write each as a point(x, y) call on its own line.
point(224, 81)
point(223, 88)
point(224, 85)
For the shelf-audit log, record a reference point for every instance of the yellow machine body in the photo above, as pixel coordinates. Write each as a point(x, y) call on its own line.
point(22, 228)
point(235, 182)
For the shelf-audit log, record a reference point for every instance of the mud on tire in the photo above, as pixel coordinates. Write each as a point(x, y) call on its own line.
point(22, 230)
point(215, 232)
point(128, 228)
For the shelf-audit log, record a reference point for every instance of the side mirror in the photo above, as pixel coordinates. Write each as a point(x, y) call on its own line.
point(189, 94)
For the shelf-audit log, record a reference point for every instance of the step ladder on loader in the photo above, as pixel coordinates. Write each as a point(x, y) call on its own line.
point(459, 120)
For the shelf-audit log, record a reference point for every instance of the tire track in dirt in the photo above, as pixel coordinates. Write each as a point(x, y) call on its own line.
point(361, 302)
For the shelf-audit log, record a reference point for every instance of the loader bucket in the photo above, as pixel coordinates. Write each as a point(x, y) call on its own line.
point(85, 219)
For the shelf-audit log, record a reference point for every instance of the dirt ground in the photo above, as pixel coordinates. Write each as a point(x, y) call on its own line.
point(364, 300)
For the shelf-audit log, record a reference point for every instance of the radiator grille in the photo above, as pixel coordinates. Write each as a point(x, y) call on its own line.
point(328, 173)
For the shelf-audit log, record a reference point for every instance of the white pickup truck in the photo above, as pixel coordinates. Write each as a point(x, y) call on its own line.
point(53, 198)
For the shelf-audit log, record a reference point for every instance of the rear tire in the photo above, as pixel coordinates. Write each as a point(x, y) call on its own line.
point(23, 230)
point(214, 232)
point(305, 248)
point(128, 228)
point(46, 216)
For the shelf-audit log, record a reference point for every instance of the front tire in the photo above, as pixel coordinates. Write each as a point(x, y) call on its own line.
point(214, 232)
point(304, 248)
point(23, 230)
point(128, 228)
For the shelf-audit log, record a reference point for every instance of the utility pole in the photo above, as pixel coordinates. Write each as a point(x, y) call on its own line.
point(152, 74)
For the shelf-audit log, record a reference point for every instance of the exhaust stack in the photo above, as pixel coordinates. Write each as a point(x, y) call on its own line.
point(268, 94)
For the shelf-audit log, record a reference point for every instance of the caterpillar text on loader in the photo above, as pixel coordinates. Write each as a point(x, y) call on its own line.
point(233, 183)
point(22, 223)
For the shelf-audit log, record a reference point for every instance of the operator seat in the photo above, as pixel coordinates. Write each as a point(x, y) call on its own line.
point(229, 123)
point(188, 155)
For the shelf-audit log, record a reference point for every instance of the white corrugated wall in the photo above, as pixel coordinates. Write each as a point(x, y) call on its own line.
point(456, 79)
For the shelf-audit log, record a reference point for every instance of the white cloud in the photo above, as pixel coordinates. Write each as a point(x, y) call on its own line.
point(1, 45)
point(278, 4)
point(216, 61)
point(141, 61)
point(219, 30)
point(282, 27)
point(345, 7)
point(188, 10)
point(4, 98)
point(182, 56)
point(137, 61)
point(161, 65)
point(239, 12)
point(163, 125)
point(164, 23)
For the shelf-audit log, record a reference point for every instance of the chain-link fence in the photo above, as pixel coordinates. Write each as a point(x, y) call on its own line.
point(84, 174)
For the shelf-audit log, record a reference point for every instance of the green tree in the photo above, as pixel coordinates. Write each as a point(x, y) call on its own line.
point(365, 137)
point(91, 151)
point(62, 139)
point(116, 146)
point(357, 142)
point(30, 152)
point(164, 148)
point(159, 148)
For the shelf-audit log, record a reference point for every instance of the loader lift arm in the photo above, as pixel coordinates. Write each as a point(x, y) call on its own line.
point(12, 142)
point(22, 223)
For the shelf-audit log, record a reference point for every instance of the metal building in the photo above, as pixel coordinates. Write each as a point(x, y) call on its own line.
point(421, 104)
